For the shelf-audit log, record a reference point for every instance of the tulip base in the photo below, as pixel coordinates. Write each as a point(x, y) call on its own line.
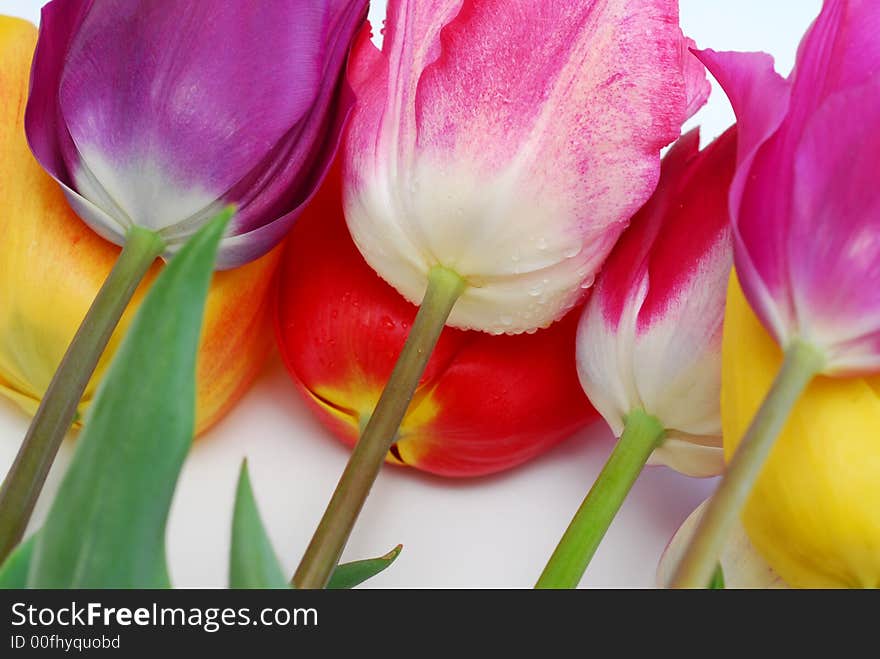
point(802, 363)
point(57, 410)
point(325, 548)
point(641, 435)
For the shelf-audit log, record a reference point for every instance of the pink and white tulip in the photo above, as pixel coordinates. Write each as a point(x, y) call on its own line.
point(805, 202)
point(511, 141)
point(650, 335)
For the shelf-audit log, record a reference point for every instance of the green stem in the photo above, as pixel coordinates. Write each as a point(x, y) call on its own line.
point(57, 410)
point(802, 363)
point(642, 434)
point(325, 549)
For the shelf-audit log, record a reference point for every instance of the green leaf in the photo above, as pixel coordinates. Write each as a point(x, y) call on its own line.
point(717, 582)
point(252, 561)
point(106, 526)
point(13, 573)
point(353, 574)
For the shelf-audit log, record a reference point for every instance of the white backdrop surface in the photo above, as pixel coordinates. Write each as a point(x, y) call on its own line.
point(490, 532)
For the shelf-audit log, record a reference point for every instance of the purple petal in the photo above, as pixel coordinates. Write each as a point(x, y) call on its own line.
point(43, 123)
point(295, 168)
point(178, 95)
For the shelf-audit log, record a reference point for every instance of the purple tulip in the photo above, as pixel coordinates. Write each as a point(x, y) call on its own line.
point(158, 114)
point(806, 200)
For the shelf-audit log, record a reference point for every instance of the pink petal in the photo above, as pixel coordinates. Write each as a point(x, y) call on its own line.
point(511, 141)
point(834, 246)
point(697, 87)
point(758, 194)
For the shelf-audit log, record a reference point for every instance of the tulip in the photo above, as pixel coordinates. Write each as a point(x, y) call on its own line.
point(741, 566)
point(151, 130)
point(446, 160)
point(496, 154)
point(52, 265)
point(158, 115)
point(649, 341)
point(340, 328)
point(804, 205)
point(814, 513)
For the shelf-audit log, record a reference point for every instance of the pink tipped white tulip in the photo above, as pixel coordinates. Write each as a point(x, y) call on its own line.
point(510, 141)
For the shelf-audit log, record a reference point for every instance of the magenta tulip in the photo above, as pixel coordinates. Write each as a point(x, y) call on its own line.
point(805, 201)
point(805, 207)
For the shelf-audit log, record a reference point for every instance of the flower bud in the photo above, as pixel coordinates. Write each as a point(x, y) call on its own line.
point(650, 336)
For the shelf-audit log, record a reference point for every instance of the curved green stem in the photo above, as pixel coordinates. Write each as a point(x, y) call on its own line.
point(57, 409)
point(325, 549)
point(802, 363)
point(641, 435)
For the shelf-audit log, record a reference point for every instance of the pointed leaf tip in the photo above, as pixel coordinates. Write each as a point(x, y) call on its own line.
point(353, 574)
point(252, 561)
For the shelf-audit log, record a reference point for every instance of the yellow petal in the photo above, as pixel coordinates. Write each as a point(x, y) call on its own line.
point(52, 265)
point(815, 512)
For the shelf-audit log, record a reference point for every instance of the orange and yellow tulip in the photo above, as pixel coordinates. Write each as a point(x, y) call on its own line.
point(52, 266)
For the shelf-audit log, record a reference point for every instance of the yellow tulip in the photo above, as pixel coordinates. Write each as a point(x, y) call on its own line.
point(814, 514)
point(52, 265)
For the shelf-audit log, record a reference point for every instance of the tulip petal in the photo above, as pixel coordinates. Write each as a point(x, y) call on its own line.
point(760, 98)
point(742, 565)
point(814, 513)
point(195, 79)
point(833, 230)
point(449, 150)
point(840, 50)
point(160, 114)
point(650, 337)
point(696, 85)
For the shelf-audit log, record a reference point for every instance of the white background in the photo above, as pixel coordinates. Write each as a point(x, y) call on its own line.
point(495, 531)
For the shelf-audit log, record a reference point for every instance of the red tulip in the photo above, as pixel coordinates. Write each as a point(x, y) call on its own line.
point(485, 403)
